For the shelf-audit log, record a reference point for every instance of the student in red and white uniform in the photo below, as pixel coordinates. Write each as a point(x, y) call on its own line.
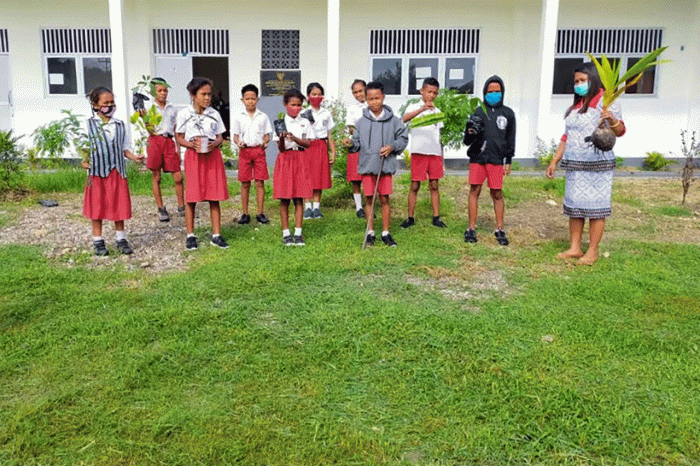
point(318, 156)
point(251, 133)
point(354, 113)
point(200, 129)
point(107, 191)
point(290, 180)
point(163, 154)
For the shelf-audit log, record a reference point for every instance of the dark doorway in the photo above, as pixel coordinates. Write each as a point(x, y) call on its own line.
point(216, 69)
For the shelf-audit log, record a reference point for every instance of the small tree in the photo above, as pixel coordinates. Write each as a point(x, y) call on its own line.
point(690, 148)
point(54, 139)
point(10, 170)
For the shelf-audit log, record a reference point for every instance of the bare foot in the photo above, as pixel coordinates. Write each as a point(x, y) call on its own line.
point(570, 254)
point(588, 259)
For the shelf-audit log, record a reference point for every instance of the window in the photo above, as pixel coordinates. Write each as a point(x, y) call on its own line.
point(77, 60)
point(190, 41)
point(402, 59)
point(4, 44)
point(625, 46)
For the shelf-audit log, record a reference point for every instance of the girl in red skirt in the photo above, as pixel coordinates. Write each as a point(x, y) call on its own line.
point(290, 179)
point(107, 191)
point(199, 128)
point(353, 116)
point(317, 156)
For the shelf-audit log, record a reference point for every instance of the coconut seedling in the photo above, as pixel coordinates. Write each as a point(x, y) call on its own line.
point(603, 138)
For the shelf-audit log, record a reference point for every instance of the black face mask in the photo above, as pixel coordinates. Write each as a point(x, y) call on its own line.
point(106, 110)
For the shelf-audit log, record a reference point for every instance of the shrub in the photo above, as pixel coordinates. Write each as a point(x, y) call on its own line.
point(690, 148)
point(619, 161)
point(544, 153)
point(655, 161)
point(11, 176)
point(54, 139)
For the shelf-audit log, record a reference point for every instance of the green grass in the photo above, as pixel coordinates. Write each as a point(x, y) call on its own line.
point(675, 211)
point(265, 355)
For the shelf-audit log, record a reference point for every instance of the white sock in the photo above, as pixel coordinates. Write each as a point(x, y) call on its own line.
point(384, 233)
point(190, 235)
point(285, 233)
point(307, 205)
point(214, 236)
point(370, 233)
point(120, 235)
point(297, 232)
point(358, 201)
point(96, 238)
point(317, 205)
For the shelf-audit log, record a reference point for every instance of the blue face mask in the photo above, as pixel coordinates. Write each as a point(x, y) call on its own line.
point(581, 89)
point(492, 98)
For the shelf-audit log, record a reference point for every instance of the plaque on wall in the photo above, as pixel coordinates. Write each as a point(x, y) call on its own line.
point(276, 83)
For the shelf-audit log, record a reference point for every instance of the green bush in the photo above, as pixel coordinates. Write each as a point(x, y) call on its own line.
point(11, 175)
point(655, 161)
point(544, 152)
point(54, 139)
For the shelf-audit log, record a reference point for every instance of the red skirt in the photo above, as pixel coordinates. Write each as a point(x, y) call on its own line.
point(205, 177)
point(353, 159)
point(290, 179)
point(107, 198)
point(319, 166)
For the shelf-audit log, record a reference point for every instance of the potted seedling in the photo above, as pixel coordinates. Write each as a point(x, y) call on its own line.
point(603, 138)
point(279, 124)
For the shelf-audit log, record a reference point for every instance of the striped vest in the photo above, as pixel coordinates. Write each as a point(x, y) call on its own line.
point(106, 156)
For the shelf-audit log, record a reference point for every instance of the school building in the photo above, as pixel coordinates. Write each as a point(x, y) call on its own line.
point(51, 53)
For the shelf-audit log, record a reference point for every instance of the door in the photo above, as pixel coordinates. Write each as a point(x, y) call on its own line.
point(216, 69)
point(5, 93)
point(177, 71)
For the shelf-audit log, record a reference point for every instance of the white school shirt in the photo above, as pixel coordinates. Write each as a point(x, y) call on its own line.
point(425, 140)
point(167, 124)
point(110, 130)
point(323, 123)
point(299, 127)
point(354, 113)
point(250, 130)
point(208, 123)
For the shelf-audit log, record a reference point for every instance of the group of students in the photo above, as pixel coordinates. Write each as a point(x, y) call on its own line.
point(306, 154)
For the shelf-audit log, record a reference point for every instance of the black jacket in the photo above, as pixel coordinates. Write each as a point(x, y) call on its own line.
point(496, 143)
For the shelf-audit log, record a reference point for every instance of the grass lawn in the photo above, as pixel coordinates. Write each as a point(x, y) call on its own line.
point(433, 353)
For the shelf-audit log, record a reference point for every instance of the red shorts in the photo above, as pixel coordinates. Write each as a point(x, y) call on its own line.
point(385, 184)
point(205, 177)
point(252, 163)
point(162, 155)
point(290, 179)
point(319, 168)
point(352, 175)
point(493, 173)
point(426, 166)
point(107, 198)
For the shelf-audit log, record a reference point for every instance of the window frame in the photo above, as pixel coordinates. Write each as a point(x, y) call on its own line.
point(79, 72)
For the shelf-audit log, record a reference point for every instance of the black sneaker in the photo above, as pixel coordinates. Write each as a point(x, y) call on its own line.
point(388, 240)
point(191, 243)
point(219, 241)
point(262, 219)
point(470, 236)
point(163, 214)
point(100, 248)
point(123, 246)
point(317, 213)
point(437, 221)
point(370, 239)
point(409, 222)
point(299, 240)
point(361, 213)
point(288, 240)
point(244, 220)
point(308, 214)
point(181, 211)
point(501, 237)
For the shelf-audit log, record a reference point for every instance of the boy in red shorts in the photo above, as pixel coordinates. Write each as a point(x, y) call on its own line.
point(163, 153)
point(378, 134)
point(491, 141)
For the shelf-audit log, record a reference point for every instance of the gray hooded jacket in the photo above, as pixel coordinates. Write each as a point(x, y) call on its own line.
point(371, 135)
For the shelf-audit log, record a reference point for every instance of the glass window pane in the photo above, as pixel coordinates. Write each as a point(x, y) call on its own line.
point(62, 76)
point(418, 70)
point(97, 71)
point(564, 75)
point(388, 72)
point(459, 74)
point(645, 85)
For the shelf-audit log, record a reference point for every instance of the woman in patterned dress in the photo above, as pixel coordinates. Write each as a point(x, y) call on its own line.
point(589, 172)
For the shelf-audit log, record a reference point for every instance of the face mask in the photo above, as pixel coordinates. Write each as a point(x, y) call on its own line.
point(293, 111)
point(492, 98)
point(316, 101)
point(106, 110)
point(581, 89)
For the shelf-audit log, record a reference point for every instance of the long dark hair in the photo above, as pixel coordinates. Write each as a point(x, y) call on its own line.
point(594, 86)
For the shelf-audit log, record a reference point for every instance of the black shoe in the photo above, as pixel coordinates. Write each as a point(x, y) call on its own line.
point(370, 239)
point(409, 222)
point(388, 240)
point(299, 240)
point(123, 246)
point(308, 214)
point(219, 241)
point(288, 240)
point(437, 221)
point(317, 213)
point(361, 213)
point(163, 214)
point(100, 248)
point(191, 243)
point(501, 237)
point(470, 236)
point(181, 211)
point(262, 219)
point(244, 220)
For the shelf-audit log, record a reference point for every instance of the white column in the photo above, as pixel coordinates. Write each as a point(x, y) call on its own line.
point(333, 58)
point(120, 85)
point(694, 74)
point(548, 37)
